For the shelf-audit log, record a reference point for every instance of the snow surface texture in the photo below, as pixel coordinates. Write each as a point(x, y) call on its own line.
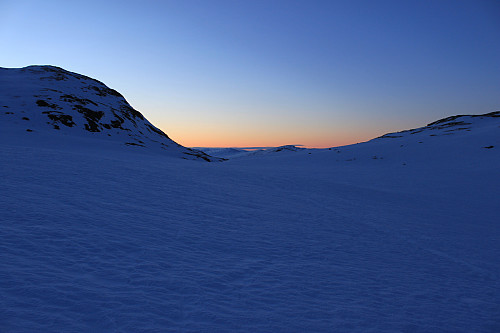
point(398, 234)
point(51, 99)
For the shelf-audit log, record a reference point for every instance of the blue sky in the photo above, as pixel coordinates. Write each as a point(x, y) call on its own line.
point(267, 73)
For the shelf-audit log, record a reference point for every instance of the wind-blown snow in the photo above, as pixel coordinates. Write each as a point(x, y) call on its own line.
point(399, 234)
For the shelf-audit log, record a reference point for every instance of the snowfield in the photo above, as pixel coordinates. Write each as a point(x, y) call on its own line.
point(398, 234)
point(103, 239)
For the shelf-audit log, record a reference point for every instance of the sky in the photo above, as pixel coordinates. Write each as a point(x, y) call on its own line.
point(214, 73)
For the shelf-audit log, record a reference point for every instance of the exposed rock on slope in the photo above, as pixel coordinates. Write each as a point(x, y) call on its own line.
point(51, 99)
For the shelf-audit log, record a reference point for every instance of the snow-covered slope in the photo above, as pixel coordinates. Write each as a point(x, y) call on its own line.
point(457, 140)
point(451, 125)
point(47, 101)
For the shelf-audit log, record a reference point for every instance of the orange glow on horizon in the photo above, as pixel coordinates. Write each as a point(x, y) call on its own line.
point(222, 139)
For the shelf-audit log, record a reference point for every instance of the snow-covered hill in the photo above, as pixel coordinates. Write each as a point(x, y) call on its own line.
point(287, 148)
point(48, 101)
point(453, 141)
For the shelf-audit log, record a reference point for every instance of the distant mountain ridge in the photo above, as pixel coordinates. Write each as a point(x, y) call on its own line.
point(229, 153)
point(51, 99)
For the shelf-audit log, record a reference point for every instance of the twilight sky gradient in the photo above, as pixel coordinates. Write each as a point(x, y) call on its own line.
point(267, 73)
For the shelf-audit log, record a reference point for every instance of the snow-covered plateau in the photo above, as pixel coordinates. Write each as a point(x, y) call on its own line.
point(397, 234)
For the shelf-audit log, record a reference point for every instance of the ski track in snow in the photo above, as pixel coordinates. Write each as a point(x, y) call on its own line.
point(95, 242)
